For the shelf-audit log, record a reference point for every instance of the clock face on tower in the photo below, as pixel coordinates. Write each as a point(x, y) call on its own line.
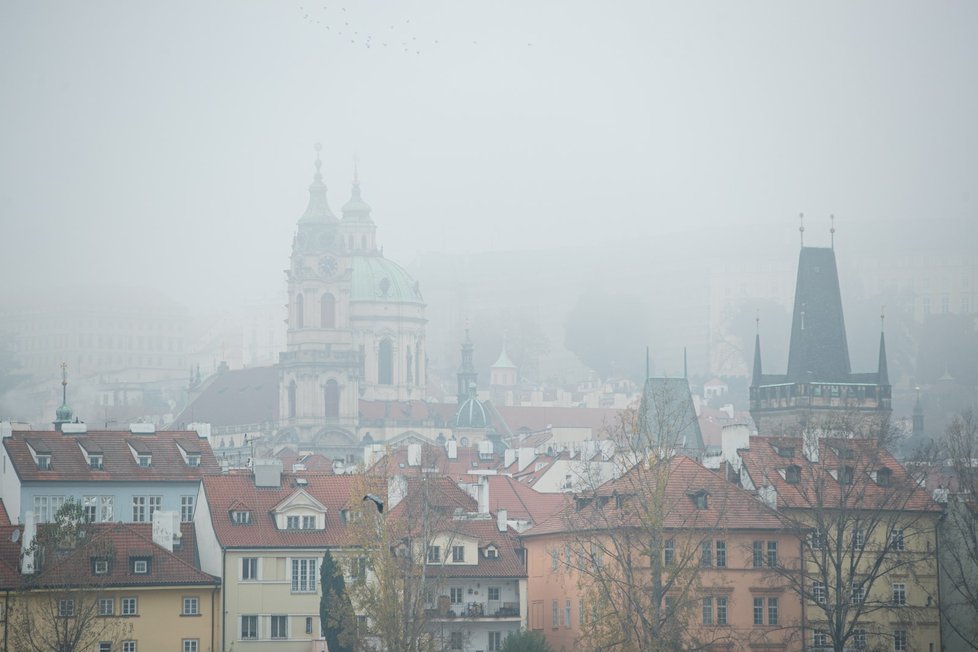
point(327, 266)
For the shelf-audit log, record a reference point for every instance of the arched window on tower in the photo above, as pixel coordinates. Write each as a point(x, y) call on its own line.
point(332, 398)
point(300, 309)
point(292, 393)
point(327, 310)
point(385, 363)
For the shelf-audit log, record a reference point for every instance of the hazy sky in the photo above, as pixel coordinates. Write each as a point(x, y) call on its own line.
point(169, 144)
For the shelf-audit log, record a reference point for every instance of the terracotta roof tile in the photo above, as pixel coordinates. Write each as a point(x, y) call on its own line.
point(522, 502)
point(225, 492)
point(68, 462)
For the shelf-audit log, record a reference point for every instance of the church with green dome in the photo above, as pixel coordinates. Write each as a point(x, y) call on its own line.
point(356, 325)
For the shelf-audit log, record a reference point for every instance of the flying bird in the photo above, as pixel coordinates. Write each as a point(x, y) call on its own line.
point(376, 500)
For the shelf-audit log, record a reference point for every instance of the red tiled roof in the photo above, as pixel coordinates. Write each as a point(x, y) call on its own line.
point(10, 556)
point(485, 531)
point(122, 542)
point(118, 464)
point(763, 461)
point(522, 502)
point(225, 491)
point(408, 412)
point(311, 461)
point(728, 506)
point(4, 517)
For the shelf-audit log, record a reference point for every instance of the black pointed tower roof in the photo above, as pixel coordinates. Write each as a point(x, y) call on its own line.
point(819, 350)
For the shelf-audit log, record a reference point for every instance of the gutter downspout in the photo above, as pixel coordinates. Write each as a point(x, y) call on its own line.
point(213, 591)
point(804, 618)
point(224, 597)
point(937, 564)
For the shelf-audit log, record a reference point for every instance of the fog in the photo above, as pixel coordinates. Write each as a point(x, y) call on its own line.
point(169, 146)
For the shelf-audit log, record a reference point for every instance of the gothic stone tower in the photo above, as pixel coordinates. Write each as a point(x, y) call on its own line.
point(819, 386)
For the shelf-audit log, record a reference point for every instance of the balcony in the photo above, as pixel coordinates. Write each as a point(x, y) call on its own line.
point(490, 609)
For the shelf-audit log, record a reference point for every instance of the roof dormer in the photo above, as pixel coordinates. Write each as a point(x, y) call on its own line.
point(300, 511)
point(189, 451)
point(700, 498)
point(41, 453)
point(94, 457)
point(141, 453)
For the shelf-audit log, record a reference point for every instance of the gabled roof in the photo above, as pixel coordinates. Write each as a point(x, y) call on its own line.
point(465, 462)
point(236, 397)
point(768, 455)
point(299, 498)
point(68, 462)
point(667, 416)
point(522, 502)
point(226, 492)
point(125, 541)
point(728, 507)
point(486, 533)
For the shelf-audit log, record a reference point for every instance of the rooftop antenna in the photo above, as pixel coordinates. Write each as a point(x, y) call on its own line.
point(319, 164)
point(647, 364)
point(64, 383)
point(801, 227)
point(757, 322)
point(832, 230)
point(882, 317)
point(685, 365)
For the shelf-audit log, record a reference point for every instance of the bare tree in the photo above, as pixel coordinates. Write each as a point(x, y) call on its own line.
point(403, 541)
point(959, 531)
point(59, 606)
point(869, 558)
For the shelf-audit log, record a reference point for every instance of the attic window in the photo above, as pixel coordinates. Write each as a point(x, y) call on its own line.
point(492, 552)
point(300, 522)
point(786, 451)
point(846, 475)
point(100, 566)
point(846, 454)
point(240, 517)
point(701, 499)
point(792, 474)
point(884, 477)
point(144, 460)
point(95, 462)
point(44, 461)
point(351, 515)
point(140, 566)
point(193, 459)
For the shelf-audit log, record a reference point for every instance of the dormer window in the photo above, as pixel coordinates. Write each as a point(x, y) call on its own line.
point(884, 477)
point(701, 499)
point(144, 460)
point(95, 462)
point(786, 451)
point(140, 566)
point(44, 461)
point(792, 474)
point(193, 459)
point(492, 552)
point(300, 522)
point(100, 566)
point(241, 517)
point(846, 474)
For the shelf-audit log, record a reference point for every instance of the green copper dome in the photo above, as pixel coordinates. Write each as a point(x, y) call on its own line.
point(64, 413)
point(377, 279)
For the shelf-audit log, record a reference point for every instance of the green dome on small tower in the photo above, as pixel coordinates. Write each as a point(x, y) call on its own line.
point(63, 414)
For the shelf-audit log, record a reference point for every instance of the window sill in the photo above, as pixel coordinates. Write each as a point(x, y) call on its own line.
point(191, 615)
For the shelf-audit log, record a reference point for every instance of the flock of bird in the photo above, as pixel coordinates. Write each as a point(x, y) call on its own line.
point(337, 23)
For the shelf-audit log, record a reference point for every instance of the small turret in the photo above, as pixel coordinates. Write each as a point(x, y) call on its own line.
point(63, 414)
point(318, 208)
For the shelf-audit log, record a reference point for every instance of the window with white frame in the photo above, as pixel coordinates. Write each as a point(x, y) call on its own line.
point(772, 611)
point(100, 566)
point(567, 613)
point(98, 509)
point(455, 641)
point(140, 566)
point(859, 639)
point(130, 607)
point(721, 557)
point(816, 539)
point(758, 611)
point(707, 611)
point(241, 517)
point(899, 593)
point(106, 606)
point(434, 554)
point(858, 594)
point(45, 507)
point(896, 539)
point(95, 462)
point(900, 641)
point(249, 627)
point(458, 553)
point(858, 538)
point(772, 554)
point(279, 626)
point(757, 558)
point(457, 595)
point(304, 575)
point(818, 592)
point(669, 552)
point(66, 608)
point(44, 461)
point(249, 568)
point(721, 611)
point(191, 606)
point(191, 645)
point(187, 508)
point(292, 522)
point(706, 554)
point(139, 509)
point(105, 646)
point(554, 614)
point(129, 646)
point(494, 593)
point(308, 522)
point(820, 638)
point(155, 505)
